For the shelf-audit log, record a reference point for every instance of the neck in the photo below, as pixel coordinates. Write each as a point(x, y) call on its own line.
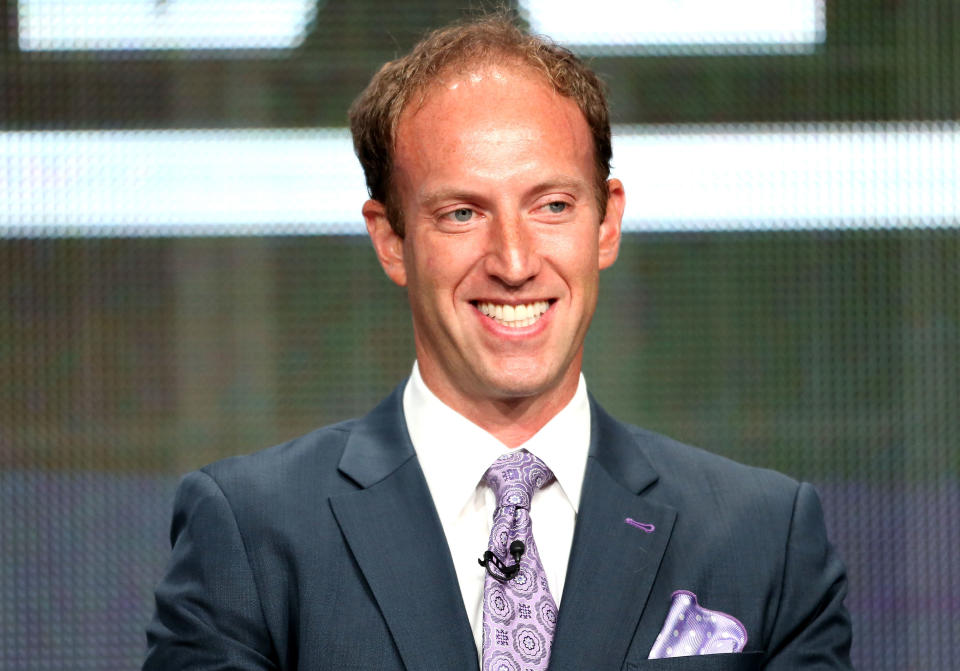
point(511, 420)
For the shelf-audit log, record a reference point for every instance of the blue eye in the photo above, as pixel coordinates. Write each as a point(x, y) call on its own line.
point(462, 214)
point(557, 207)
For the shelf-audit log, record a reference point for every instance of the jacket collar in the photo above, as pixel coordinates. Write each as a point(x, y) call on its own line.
point(393, 531)
point(618, 452)
point(613, 562)
point(379, 442)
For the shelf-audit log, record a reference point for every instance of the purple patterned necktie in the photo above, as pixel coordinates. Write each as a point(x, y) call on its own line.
point(519, 615)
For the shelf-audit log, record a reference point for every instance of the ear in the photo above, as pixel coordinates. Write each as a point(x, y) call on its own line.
point(609, 231)
point(386, 243)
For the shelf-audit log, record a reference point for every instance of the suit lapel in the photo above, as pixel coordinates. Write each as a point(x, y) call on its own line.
point(612, 563)
point(395, 535)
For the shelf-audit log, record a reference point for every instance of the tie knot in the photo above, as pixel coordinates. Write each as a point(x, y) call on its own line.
point(514, 476)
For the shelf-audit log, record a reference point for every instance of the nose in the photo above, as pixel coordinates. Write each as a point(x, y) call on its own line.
point(512, 256)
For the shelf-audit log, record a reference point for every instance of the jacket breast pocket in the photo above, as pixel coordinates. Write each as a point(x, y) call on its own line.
point(747, 661)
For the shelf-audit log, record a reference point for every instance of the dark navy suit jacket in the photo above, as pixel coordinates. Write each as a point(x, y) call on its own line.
point(327, 553)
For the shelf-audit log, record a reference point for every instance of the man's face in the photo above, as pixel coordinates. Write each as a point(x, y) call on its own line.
point(494, 174)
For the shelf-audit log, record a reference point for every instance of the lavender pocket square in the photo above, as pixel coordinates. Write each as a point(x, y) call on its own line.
point(691, 629)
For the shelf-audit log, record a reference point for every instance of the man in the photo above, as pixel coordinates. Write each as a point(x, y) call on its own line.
point(487, 157)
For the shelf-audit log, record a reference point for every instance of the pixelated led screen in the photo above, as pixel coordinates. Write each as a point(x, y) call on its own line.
point(184, 275)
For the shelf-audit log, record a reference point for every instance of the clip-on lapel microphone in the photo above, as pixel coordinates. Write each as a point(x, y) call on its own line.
point(517, 549)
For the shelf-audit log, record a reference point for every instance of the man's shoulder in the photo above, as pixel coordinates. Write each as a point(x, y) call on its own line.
point(722, 503)
point(665, 450)
point(688, 470)
point(308, 462)
point(321, 450)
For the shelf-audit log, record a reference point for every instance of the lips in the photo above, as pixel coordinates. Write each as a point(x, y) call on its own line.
point(514, 316)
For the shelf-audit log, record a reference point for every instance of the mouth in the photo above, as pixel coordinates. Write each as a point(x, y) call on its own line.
point(513, 316)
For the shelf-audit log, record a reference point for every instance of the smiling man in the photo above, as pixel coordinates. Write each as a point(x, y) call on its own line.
point(501, 241)
point(489, 513)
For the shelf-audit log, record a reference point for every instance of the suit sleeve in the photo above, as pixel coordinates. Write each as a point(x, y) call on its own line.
point(208, 612)
point(812, 628)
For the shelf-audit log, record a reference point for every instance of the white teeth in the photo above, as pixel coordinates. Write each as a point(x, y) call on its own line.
point(515, 316)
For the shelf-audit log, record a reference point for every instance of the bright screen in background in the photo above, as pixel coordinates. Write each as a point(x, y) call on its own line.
point(625, 25)
point(99, 25)
point(183, 275)
point(706, 178)
point(647, 26)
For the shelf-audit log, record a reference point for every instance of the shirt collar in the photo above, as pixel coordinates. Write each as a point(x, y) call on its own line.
point(454, 453)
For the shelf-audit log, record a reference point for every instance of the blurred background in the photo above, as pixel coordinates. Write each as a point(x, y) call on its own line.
point(183, 274)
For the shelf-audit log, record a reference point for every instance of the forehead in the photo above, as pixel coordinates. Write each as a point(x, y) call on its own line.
point(491, 103)
point(461, 74)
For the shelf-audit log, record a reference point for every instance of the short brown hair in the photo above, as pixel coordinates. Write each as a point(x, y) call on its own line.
point(376, 111)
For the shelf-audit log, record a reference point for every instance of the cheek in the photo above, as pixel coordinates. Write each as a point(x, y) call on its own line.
point(575, 257)
point(433, 266)
point(434, 274)
point(434, 271)
point(448, 261)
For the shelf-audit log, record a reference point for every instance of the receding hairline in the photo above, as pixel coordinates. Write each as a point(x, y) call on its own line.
point(479, 68)
point(482, 61)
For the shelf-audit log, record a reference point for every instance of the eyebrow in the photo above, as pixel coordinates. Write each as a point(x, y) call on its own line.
point(562, 182)
point(434, 197)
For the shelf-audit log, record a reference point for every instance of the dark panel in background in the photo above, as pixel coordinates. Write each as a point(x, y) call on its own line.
point(816, 353)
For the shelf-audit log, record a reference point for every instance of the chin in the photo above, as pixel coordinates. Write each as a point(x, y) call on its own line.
point(521, 383)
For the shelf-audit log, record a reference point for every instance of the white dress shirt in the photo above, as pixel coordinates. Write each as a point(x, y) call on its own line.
point(454, 453)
